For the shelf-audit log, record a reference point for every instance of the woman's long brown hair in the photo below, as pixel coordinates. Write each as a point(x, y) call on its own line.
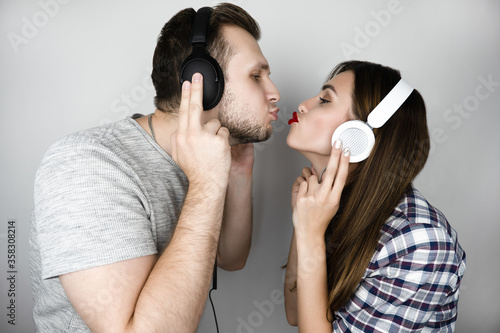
point(378, 183)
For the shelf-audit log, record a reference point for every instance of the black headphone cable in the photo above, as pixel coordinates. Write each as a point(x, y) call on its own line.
point(214, 287)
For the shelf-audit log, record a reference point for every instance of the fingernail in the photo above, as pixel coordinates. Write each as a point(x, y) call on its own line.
point(186, 84)
point(197, 77)
point(347, 152)
point(338, 143)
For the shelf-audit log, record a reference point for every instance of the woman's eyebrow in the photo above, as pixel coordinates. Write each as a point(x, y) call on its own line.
point(329, 86)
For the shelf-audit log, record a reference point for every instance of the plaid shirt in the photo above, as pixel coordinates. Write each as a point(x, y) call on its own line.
point(412, 281)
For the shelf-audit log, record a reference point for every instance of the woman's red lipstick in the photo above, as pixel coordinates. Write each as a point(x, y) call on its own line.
point(294, 119)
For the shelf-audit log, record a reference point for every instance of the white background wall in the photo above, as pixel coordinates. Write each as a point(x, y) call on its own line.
point(77, 64)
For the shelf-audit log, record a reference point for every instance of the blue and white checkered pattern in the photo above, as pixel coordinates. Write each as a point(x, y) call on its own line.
point(412, 281)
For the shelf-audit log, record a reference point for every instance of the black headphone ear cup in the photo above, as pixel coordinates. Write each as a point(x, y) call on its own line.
point(213, 81)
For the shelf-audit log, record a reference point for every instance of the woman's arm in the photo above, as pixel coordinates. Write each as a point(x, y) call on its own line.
point(290, 291)
point(316, 204)
point(311, 286)
point(312, 289)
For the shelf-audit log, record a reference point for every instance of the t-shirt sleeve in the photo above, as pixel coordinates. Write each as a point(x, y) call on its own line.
point(412, 284)
point(90, 210)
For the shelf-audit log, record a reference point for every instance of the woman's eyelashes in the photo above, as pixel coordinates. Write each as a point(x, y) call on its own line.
point(323, 101)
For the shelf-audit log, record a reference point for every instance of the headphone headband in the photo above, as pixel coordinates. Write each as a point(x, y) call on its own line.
point(200, 26)
point(200, 61)
point(390, 104)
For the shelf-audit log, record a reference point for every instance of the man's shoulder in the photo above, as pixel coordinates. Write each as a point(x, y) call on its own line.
point(99, 135)
point(113, 138)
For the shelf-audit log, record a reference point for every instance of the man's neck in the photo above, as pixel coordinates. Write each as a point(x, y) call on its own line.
point(164, 125)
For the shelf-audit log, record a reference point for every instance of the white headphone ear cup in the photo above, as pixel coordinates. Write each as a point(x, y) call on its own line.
point(358, 137)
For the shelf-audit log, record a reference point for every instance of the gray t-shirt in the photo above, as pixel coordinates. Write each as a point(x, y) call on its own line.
point(101, 196)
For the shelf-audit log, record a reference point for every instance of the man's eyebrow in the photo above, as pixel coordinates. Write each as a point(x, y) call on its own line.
point(261, 66)
point(329, 86)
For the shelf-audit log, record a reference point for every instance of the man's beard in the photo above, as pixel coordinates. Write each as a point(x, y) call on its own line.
point(240, 125)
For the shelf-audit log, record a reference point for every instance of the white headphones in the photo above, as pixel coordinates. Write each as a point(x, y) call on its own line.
point(358, 136)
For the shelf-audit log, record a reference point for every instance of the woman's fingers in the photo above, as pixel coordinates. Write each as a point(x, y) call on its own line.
point(338, 157)
point(306, 173)
point(342, 173)
point(332, 166)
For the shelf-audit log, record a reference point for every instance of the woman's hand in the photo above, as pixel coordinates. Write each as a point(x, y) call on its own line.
point(306, 173)
point(313, 203)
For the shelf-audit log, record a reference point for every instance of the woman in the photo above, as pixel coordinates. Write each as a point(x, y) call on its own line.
point(368, 252)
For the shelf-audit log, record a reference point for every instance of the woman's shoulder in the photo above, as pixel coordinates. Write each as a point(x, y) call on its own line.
point(414, 209)
point(416, 225)
point(414, 214)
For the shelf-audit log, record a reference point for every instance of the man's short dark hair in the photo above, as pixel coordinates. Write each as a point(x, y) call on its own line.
point(174, 45)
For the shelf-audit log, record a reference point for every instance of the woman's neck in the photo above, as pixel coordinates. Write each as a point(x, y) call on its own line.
point(319, 162)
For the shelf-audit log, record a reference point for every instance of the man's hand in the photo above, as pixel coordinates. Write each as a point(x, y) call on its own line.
point(201, 150)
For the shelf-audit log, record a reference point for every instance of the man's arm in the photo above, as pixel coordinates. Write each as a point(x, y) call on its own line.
point(149, 295)
point(290, 287)
point(166, 294)
point(236, 232)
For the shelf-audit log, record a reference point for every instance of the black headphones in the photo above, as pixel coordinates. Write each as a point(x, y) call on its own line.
point(200, 61)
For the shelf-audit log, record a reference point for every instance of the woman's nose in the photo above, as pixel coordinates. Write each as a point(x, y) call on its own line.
point(303, 107)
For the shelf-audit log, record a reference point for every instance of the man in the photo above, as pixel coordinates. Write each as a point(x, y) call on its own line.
point(129, 218)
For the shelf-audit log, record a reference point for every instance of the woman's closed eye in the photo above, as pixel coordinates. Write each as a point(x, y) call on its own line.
point(323, 101)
